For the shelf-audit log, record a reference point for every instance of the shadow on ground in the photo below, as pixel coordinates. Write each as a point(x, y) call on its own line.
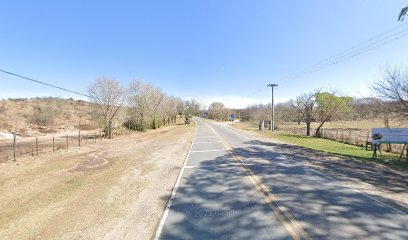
point(213, 202)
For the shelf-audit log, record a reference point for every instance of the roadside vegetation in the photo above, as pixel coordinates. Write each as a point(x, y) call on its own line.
point(327, 146)
point(138, 107)
point(112, 109)
point(312, 119)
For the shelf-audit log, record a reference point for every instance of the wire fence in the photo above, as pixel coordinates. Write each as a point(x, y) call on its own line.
point(12, 149)
point(357, 137)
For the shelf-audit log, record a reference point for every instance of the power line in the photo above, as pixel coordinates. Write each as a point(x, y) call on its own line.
point(354, 47)
point(359, 48)
point(354, 55)
point(46, 84)
point(356, 52)
point(351, 55)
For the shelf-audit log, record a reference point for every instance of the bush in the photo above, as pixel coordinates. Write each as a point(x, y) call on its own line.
point(44, 116)
point(134, 125)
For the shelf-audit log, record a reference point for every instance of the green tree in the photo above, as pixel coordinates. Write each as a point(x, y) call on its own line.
point(330, 106)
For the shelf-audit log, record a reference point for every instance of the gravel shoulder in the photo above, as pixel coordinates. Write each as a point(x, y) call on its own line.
point(115, 189)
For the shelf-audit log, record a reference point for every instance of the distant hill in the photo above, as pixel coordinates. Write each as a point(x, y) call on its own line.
point(44, 115)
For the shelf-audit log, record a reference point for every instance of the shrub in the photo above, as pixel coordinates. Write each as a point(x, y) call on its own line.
point(44, 116)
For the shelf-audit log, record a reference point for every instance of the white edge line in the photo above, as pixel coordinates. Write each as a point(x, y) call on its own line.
point(173, 193)
point(211, 150)
point(207, 142)
point(341, 183)
point(208, 137)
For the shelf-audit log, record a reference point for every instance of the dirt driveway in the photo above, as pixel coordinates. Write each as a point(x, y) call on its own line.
point(115, 189)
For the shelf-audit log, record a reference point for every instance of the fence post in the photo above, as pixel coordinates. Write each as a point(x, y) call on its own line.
point(67, 141)
point(53, 144)
point(349, 137)
point(86, 140)
point(36, 146)
point(79, 138)
point(14, 146)
point(368, 137)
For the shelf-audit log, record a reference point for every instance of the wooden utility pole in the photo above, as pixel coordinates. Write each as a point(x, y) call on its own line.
point(36, 146)
point(272, 126)
point(14, 146)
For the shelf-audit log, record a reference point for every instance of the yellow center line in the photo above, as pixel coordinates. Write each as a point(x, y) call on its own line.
point(270, 199)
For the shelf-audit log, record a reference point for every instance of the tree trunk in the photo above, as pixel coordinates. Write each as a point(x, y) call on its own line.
point(307, 128)
point(387, 125)
point(318, 133)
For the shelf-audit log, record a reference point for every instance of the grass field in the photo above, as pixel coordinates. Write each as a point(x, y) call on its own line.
point(360, 124)
point(328, 146)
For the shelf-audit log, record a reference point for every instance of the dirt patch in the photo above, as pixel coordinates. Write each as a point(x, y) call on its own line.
point(114, 189)
point(95, 161)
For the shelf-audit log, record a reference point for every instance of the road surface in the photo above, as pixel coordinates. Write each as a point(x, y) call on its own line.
point(235, 186)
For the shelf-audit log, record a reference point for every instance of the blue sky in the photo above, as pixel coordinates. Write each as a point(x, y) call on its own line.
point(209, 50)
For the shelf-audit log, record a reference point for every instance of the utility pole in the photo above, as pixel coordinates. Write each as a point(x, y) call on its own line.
point(205, 116)
point(272, 85)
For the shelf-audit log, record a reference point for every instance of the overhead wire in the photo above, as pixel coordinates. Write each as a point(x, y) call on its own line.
point(47, 84)
point(353, 54)
point(354, 51)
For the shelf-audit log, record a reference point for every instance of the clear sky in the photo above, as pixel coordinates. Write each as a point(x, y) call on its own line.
point(226, 50)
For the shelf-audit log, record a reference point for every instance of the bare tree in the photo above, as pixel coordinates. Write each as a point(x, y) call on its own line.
point(139, 94)
point(284, 112)
point(156, 103)
point(217, 111)
point(150, 107)
point(190, 108)
point(108, 97)
point(170, 109)
point(298, 109)
point(393, 87)
point(308, 102)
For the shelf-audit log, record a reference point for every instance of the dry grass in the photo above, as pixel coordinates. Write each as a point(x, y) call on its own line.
point(113, 189)
point(18, 115)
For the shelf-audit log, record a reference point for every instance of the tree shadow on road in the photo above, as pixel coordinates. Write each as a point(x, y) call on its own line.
point(342, 167)
point(213, 202)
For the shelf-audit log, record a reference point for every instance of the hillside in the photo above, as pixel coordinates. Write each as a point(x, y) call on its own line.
point(31, 117)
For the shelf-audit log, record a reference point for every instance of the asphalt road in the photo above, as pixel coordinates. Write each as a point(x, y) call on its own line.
point(234, 186)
